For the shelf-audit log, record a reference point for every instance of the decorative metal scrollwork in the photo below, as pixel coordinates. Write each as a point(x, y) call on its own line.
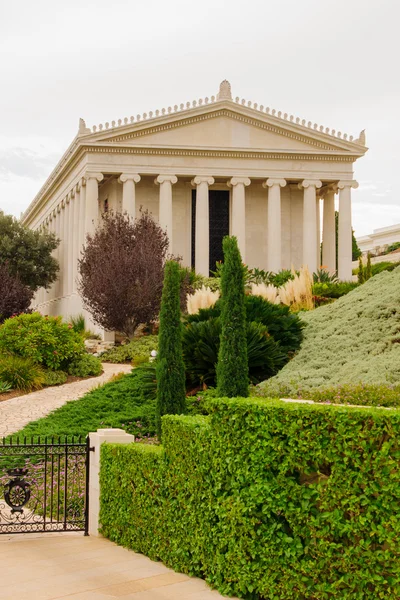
point(17, 491)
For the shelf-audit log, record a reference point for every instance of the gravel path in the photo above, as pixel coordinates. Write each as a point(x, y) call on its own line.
point(18, 412)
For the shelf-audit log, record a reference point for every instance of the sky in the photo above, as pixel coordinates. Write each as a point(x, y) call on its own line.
point(333, 62)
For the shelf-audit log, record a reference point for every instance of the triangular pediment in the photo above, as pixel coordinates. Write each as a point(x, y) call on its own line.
point(223, 125)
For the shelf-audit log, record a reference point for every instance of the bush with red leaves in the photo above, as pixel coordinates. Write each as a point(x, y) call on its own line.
point(15, 297)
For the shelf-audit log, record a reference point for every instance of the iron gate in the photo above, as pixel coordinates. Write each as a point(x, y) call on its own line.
point(44, 485)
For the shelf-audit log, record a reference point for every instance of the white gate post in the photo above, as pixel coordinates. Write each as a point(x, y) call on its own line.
point(113, 436)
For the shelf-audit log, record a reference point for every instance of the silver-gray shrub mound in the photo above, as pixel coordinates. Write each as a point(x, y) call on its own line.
point(354, 340)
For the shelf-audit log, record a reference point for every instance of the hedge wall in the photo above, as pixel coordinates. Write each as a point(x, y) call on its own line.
point(265, 500)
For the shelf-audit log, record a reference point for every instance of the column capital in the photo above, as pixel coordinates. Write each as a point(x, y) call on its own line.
point(347, 184)
point(202, 179)
point(94, 175)
point(328, 188)
point(239, 180)
point(270, 182)
point(135, 177)
point(310, 183)
point(163, 178)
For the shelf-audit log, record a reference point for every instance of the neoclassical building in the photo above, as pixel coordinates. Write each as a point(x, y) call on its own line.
point(205, 169)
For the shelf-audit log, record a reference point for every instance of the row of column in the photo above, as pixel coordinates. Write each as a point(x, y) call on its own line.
point(313, 191)
point(77, 215)
point(71, 220)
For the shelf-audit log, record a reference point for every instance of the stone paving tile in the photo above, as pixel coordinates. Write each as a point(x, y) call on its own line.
point(52, 567)
point(18, 412)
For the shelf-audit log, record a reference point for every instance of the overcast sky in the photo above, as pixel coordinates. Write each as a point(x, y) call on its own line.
point(333, 62)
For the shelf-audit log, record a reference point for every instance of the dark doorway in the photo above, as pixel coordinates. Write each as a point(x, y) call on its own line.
point(219, 224)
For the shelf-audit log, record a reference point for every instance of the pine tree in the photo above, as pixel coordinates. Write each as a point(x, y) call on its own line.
point(368, 268)
point(170, 368)
point(232, 367)
point(360, 274)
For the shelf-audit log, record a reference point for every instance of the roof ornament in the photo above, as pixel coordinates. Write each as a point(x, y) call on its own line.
point(82, 127)
point(224, 91)
point(361, 138)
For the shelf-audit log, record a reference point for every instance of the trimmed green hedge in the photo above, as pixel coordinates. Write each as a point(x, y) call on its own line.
point(265, 499)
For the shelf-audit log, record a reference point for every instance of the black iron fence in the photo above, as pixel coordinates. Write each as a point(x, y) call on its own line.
point(44, 485)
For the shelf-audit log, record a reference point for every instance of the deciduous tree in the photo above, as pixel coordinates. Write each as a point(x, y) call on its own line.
point(15, 297)
point(121, 272)
point(28, 253)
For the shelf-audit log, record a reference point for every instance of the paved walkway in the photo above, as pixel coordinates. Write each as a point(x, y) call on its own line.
point(74, 567)
point(18, 412)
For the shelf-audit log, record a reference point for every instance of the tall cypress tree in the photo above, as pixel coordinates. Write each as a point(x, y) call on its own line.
point(170, 368)
point(360, 274)
point(232, 367)
point(368, 268)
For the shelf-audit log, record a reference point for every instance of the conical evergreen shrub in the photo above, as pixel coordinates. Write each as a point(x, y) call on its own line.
point(232, 367)
point(360, 274)
point(170, 368)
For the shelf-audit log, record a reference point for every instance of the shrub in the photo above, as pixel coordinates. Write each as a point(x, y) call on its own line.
point(383, 266)
point(79, 326)
point(393, 247)
point(170, 368)
point(285, 327)
point(322, 275)
point(15, 297)
point(265, 500)
point(54, 377)
point(201, 343)
point(353, 340)
point(21, 373)
point(360, 273)
point(138, 347)
point(334, 290)
point(359, 394)
point(368, 268)
point(232, 365)
point(85, 365)
point(4, 387)
point(45, 340)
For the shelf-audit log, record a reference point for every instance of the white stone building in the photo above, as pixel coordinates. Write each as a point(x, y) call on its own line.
point(205, 169)
point(379, 239)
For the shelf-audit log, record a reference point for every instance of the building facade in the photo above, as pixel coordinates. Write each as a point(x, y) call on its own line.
point(205, 169)
point(379, 240)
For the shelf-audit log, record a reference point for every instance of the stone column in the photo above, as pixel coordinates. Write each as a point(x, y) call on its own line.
point(318, 213)
point(329, 232)
point(202, 231)
point(67, 246)
point(238, 227)
point(71, 240)
point(274, 224)
point(345, 231)
point(113, 436)
point(75, 237)
point(92, 201)
point(82, 214)
point(129, 181)
point(165, 210)
point(63, 247)
point(310, 187)
point(57, 287)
